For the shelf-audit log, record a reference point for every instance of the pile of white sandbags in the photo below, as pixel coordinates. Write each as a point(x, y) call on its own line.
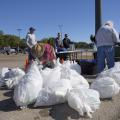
point(63, 84)
point(52, 86)
point(56, 83)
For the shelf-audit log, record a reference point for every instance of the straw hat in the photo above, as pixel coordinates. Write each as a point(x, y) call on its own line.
point(38, 50)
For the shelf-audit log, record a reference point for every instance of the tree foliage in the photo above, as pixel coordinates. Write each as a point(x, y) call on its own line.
point(48, 40)
point(15, 41)
point(1, 32)
point(82, 45)
point(11, 40)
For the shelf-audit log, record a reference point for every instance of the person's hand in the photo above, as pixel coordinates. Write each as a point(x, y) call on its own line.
point(92, 38)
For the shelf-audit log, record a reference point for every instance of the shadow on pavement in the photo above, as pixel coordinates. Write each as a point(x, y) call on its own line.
point(8, 93)
point(8, 105)
point(63, 112)
point(3, 88)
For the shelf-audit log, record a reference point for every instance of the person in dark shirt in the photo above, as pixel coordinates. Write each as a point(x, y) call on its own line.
point(66, 42)
point(58, 44)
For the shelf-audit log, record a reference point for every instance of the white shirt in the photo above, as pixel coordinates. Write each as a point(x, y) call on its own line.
point(31, 40)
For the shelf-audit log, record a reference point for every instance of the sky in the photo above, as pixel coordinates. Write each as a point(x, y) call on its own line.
point(74, 17)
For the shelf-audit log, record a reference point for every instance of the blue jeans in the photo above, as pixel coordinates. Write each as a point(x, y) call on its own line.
point(30, 56)
point(105, 52)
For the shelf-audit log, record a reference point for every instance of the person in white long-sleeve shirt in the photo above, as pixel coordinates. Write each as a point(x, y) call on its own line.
point(31, 41)
point(106, 38)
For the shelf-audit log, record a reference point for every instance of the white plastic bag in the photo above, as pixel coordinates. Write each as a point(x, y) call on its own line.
point(53, 76)
point(76, 67)
point(13, 77)
point(2, 75)
point(106, 86)
point(112, 73)
point(72, 65)
point(28, 89)
point(45, 75)
point(83, 100)
point(54, 93)
point(74, 77)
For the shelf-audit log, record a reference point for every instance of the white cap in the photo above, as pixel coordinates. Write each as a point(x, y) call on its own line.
point(110, 23)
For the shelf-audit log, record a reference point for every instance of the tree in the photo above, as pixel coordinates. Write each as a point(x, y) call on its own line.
point(48, 40)
point(82, 45)
point(11, 40)
point(1, 32)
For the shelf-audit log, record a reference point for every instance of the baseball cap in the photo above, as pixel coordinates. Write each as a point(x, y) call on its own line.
point(32, 29)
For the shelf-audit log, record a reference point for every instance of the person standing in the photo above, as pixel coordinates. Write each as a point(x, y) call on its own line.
point(31, 41)
point(58, 43)
point(66, 42)
point(106, 38)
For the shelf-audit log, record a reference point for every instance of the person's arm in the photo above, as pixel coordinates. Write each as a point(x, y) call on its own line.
point(70, 42)
point(115, 36)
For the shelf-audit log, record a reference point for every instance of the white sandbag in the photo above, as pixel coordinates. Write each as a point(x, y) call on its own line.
point(28, 89)
point(106, 86)
point(76, 67)
point(45, 75)
point(83, 100)
point(92, 98)
point(117, 66)
point(53, 76)
point(112, 73)
point(72, 65)
point(77, 79)
point(116, 77)
point(53, 94)
point(4, 71)
point(57, 62)
point(13, 77)
point(2, 75)
point(74, 77)
point(2, 82)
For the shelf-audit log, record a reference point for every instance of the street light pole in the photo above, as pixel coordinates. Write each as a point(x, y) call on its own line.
point(98, 15)
point(19, 31)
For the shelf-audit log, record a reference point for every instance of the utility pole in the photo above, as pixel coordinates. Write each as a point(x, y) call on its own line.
point(19, 33)
point(98, 15)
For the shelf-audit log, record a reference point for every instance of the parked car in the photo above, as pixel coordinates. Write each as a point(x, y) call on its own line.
point(12, 51)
